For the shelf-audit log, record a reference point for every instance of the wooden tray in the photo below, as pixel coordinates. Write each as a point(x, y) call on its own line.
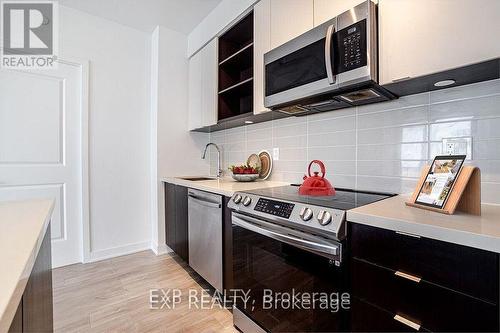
point(465, 195)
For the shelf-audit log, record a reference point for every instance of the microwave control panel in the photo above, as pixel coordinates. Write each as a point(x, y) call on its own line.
point(277, 208)
point(350, 47)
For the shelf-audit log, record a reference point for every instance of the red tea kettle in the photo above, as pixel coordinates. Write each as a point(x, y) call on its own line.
point(316, 185)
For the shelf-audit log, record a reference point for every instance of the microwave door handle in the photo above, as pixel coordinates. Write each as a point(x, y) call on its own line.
point(331, 250)
point(328, 54)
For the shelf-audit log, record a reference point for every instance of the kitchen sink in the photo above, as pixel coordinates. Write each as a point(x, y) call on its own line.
point(195, 179)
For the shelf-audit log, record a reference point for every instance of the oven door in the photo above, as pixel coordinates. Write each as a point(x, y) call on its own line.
point(301, 67)
point(267, 261)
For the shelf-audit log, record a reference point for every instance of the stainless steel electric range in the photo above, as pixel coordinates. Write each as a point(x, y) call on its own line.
point(285, 243)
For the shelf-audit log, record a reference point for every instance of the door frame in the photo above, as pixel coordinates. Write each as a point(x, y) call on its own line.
point(84, 65)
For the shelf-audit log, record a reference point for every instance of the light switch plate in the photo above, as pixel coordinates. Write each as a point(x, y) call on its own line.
point(458, 146)
point(276, 154)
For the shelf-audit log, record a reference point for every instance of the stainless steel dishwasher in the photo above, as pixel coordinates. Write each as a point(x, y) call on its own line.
point(205, 235)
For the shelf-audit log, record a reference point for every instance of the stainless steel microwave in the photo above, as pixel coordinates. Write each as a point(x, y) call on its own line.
point(334, 65)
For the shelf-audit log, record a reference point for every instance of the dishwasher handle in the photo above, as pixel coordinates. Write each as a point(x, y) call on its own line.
point(315, 246)
point(203, 202)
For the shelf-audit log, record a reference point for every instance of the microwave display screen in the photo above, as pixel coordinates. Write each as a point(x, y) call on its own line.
point(349, 48)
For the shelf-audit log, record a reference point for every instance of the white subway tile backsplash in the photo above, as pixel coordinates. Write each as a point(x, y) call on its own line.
point(332, 139)
point(399, 117)
point(487, 128)
point(404, 151)
point(392, 135)
point(332, 125)
point(391, 168)
point(255, 146)
point(298, 141)
point(293, 154)
point(341, 153)
point(378, 147)
point(486, 149)
point(438, 131)
point(467, 109)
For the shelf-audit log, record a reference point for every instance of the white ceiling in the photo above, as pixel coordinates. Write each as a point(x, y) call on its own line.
point(180, 15)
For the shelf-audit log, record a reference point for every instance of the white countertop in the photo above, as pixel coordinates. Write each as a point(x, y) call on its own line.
point(22, 227)
point(223, 186)
point(482, 232)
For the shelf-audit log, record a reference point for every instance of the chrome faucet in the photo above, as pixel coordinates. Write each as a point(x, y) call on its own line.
point(219, 170)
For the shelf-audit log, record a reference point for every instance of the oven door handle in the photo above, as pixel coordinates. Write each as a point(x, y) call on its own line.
point(329, 249)
point(328, 54)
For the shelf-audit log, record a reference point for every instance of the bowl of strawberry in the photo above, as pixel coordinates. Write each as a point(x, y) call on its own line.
point(244, 173)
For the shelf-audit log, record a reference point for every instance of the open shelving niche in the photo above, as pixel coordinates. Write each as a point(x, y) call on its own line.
point(235, 90)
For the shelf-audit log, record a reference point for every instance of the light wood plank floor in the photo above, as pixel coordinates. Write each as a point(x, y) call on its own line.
point(113, 296)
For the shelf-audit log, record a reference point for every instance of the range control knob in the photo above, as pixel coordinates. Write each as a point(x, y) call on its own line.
point(324, 217)
point(306, 214)
point(247, 201)
point(237, 199)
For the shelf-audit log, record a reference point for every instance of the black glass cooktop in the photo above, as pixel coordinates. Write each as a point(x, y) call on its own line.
point(343, 199)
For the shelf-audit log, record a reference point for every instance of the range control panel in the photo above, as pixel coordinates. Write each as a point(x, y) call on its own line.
point(350, 47)
point(277, 208)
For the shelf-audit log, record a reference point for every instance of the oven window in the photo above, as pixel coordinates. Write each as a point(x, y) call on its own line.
point(296, 69)
point(262, 265)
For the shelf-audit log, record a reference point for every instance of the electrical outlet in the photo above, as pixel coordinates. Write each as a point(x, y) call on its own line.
point(458, 146)
point(276, 154)
point(450, 148)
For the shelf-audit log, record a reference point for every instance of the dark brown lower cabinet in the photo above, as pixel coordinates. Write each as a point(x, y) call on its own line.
point(402, 282)
point(35, 311)
point(176, 219)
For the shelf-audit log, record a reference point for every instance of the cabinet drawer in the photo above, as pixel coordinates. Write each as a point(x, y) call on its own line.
point(436, 308)
point(368, 318)
point(468, 270)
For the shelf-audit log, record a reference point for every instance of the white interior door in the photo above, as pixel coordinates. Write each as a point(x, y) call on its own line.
point(41, 148)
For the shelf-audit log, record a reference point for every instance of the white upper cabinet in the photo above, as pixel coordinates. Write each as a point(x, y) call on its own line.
point(209, 84)
point(428, 36)
point(202, 103)
point(327, 9)
point(261, 45)
point(289, 19)
point(194, 93)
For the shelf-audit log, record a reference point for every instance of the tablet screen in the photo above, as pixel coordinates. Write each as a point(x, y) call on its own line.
point(439, 180)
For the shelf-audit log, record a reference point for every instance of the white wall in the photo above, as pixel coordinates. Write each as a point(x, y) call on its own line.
point(226, 12)
point(176, 151)
point(118, 129)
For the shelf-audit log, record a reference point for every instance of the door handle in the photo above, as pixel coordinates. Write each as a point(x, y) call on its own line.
point(407, 322)
point(328, 54)
point(408, 276)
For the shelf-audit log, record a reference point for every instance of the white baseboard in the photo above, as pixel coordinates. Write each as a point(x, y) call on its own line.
point(160, 249)
point(118, 251)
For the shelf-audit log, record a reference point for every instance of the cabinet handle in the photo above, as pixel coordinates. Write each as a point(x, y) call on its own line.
point(401, 79)
point(408, 276)
point(407, 322)
point(407, 234)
